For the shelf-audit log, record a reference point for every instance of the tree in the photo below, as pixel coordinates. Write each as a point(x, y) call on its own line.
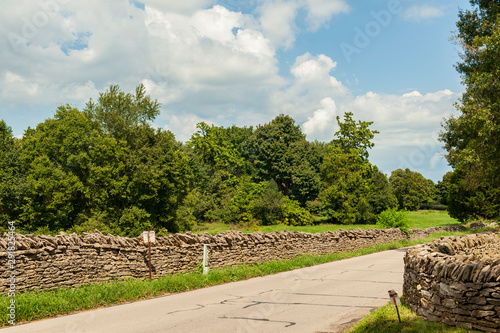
point(383, 197)
point(12, 178)
point(119, 113)
point(72, 170)
point(348, 187)
point(279, 151)
point(103, 167)
point(443, 188)
point(466, 202)
point(352, 136)
point(217, 148)
point(348, 177)
point(411, 188)
point(473, 138)
point(158, 177)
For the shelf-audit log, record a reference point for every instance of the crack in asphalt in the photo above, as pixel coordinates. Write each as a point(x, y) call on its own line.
point(290, 323)
point(331, 295)
point(255, 303)
point(199, 307)
point(350, 280)
point(243, 299)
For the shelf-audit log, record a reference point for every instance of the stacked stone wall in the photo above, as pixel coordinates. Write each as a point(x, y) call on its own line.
point(456, 280)
point(70, 260)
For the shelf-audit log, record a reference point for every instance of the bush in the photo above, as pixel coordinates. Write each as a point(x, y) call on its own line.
point(268, 208)
point(133, 221)
point(97, 221)
point(293, 214)
point(391, 218)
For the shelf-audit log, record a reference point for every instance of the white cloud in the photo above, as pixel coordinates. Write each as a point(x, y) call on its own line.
point(182, 7)
point(312, 82)
point(307, 68)
point(206, 50)
point(11, 77)
point(278, 17)
point(278, 22)
point(323, 122)
point(409, 125)
point(321, 11)
point(422, 12)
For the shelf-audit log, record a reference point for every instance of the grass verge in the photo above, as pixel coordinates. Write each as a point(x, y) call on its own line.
point(36, 305)
point(385, 320)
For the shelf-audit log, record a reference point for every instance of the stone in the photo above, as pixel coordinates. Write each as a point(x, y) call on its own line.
point(462, 281)
point(449, 303)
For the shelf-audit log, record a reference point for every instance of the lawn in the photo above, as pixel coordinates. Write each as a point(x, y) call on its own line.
point(423, 219)
point(418, 219)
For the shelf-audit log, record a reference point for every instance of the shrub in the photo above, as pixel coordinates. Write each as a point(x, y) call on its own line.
point(391, 218)
point(293, 214)
point(268, 207)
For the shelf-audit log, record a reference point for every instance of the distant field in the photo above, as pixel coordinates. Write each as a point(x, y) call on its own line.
point(423, 219)
point(419, 219)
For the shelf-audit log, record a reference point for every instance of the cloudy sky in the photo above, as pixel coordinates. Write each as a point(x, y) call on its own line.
point(244, 62)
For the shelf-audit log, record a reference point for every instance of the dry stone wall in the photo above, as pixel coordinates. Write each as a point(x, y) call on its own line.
point(456, 280)
point(69, 260)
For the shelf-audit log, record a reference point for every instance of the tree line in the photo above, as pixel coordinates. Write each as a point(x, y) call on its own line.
point(106, 167)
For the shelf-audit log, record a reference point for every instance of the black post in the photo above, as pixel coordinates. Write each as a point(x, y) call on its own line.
point(397, 310)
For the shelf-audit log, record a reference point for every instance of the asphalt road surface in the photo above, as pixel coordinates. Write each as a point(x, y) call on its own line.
point(323, 298)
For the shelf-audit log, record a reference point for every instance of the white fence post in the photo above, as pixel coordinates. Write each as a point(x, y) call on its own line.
point(205, 259)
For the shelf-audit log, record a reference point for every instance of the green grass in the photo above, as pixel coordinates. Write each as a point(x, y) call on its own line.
point(215, 228)
point(418, 219)
point(35, 305)
point(423, 219)
point(385, 320)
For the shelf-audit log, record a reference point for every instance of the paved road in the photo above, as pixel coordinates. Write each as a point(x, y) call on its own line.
point(323, 298)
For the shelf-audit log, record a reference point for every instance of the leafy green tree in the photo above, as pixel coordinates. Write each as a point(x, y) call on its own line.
point(411, 188)
point(268, 207)
point(392, 218)
point(12, 177)
point(352, 135)
point(473, 138)
point(82, 171)
point(443, 188)
point(383, 197)
point(348, 176)
point(279, 151)
point(68, 170)
point(294, 214)
point(120, 113)
point(348, 187)
point(217, 148)
point(158, 177)
point(466, 202)
point(219, 171)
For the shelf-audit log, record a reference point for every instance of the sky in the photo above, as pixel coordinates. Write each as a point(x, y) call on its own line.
point(233, 62)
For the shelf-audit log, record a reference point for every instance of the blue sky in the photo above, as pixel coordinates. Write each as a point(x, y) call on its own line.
point(233, 62)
